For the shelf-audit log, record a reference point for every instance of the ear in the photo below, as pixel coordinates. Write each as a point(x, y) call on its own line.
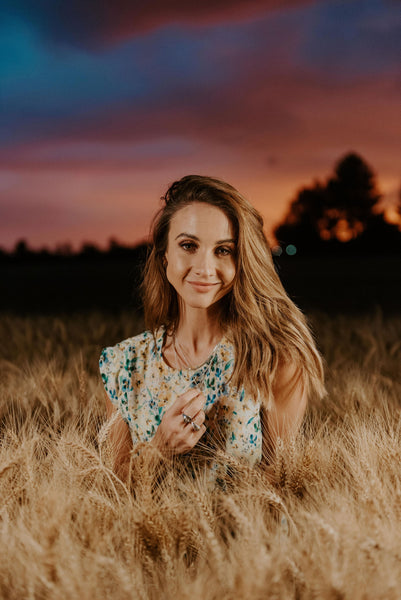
point(164, 261)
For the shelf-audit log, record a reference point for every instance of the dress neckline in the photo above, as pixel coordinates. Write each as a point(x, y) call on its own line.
point(160, 344)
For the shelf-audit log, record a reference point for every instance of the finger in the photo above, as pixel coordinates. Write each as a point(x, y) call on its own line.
point(183, 400)
point(195, 405)
point(199, 418)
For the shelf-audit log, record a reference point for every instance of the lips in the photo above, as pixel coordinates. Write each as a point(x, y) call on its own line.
point(201, 286)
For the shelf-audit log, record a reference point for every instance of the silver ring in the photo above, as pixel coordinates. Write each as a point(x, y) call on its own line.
point(195, 426)
point(186, 419)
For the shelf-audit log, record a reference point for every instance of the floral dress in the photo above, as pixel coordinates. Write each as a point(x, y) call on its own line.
point(142, 386)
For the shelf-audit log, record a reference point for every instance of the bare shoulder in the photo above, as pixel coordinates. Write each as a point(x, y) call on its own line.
point(288, 382)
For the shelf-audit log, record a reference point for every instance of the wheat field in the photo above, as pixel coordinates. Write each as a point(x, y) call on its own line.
point(69, 528)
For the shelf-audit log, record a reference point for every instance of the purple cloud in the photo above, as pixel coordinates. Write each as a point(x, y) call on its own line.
point(90, 23)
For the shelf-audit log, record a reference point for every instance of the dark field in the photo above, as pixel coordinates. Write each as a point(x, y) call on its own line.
point(332, 284)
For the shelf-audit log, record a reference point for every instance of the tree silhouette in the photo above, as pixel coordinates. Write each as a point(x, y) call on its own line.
point(341, 212)
point(351, 197)
point(21, 248)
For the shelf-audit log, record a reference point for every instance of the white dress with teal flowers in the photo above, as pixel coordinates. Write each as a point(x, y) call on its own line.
point(142, 386)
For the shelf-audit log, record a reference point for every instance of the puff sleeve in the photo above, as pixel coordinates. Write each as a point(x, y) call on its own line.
point(110, 366)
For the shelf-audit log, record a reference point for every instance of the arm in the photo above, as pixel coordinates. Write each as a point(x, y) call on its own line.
point(284, 418)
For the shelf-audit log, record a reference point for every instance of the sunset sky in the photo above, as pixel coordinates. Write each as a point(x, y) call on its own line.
point(104, 104)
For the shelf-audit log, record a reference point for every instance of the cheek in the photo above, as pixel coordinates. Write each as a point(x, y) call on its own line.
point(229, 272)
point(176, 266)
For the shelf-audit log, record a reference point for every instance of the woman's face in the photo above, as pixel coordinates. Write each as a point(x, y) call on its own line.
point(200, 254)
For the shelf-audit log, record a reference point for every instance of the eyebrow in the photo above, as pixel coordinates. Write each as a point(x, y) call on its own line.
point(194, 237)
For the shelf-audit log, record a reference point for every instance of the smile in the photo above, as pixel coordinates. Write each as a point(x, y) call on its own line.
point(202, 287)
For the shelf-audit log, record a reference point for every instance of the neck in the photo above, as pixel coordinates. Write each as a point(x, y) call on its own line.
point(198, 329)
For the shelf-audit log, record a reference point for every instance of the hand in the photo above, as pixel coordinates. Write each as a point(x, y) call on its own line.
point(174, 435)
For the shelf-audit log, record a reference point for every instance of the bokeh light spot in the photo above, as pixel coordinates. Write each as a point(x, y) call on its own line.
point(277, 250)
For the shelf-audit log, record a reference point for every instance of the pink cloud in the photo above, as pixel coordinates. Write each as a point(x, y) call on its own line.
point(298, 117)
point(268, 128)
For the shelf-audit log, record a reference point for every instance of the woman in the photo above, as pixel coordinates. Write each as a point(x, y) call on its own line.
point(226, 351)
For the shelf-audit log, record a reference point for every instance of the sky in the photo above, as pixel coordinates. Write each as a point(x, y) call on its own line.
point(104, 105)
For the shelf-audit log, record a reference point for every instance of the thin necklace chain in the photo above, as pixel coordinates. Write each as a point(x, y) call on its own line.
point(182, 360)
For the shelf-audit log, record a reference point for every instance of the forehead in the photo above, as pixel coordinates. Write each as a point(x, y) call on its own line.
point(202, 220)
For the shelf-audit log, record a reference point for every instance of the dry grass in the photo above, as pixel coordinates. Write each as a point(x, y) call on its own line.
point(70, 529)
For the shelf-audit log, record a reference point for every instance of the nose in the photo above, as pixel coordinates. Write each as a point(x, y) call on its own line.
point(204, 264)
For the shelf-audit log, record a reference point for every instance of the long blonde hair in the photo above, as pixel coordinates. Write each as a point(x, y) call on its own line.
point(265, 326)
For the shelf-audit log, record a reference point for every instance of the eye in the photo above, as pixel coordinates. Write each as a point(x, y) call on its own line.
point(188, 246)
point(224, 251)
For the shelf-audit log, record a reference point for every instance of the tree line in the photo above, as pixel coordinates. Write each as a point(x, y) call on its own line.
point(88, 252)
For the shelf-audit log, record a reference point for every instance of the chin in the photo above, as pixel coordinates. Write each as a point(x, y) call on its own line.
point(199, 303)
